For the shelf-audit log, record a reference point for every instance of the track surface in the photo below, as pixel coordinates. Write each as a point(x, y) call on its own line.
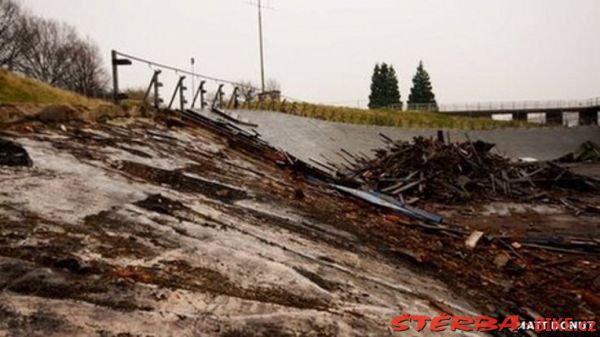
point(310, 138)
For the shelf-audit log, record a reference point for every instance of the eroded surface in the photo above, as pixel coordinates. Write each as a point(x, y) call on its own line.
point(139, 230)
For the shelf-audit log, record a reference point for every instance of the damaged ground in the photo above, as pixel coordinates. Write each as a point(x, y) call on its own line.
point(141, 227)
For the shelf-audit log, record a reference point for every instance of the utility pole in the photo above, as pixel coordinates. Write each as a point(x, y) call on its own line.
point(262, 59)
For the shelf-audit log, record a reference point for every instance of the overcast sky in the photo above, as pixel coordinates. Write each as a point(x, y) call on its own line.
point(325, 50)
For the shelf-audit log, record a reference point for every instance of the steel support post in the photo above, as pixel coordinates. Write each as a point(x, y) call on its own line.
point(157, 99)
point(182, 100)
point(177, 90)
point(218, 97)
point(199, 93)
point(116, 62)
point(154, 85)
point(234, 100)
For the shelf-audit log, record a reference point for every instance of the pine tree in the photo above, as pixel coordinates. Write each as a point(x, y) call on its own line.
point(392, 95)
point(384, 87)
point(421, 91)
point(375, 98)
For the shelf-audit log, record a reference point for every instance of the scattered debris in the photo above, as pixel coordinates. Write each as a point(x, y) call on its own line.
point(383, 201)
point(587, 152)
point(213, 244)
point(233, 117)
point(502, 259)
point(13, 154)
point(472, 240)
point(454, 172)
point(252, 144)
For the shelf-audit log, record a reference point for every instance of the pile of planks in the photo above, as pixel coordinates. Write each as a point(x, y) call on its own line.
point(431, 169)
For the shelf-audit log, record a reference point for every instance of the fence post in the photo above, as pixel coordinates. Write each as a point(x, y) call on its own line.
point(179, 84)
point(182, 89)
point(200, 92)
point(154, 84)
point(116, 62)
point(218, 97)
point(157, 99)
point(233, 101)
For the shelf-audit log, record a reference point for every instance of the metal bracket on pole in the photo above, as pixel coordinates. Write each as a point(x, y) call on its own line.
point(234, 100)
point(200, 92)
point(218, 97)
point(178, 89)
point(116, 62)
point(154, 84)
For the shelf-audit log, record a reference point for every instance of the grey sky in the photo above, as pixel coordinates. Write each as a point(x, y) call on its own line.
point(325, 50)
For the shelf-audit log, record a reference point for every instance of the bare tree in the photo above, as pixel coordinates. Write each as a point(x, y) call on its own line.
point(248, 90)
point(272, 85)
point(85, 74)
point(48, 50)
point(11, 30)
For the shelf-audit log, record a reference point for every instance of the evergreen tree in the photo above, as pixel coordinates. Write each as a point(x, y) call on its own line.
point(375, 98)
point(392, 94)
point(384, 87)
point(421, 91)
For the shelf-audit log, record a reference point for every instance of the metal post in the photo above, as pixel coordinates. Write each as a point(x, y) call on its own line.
point(221, 95)
point(233, 101)
point(115, 72)
point(154, 84)
point(200, 92)
point(218, 97)
point(262, 59)
point(157, 85)
point(116, 62)
point(182, 100)
point(179, 84)
point(203, 102)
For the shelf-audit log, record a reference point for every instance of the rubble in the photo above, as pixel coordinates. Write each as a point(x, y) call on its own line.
point(472, 240)
point(588, 152)
point(454, 173)
point(169, 226)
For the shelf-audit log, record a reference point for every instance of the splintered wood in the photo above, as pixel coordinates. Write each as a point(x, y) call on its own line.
point(431, 169)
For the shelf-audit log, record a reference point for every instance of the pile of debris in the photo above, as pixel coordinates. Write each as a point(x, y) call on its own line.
point(588, 152)
point(431, 169)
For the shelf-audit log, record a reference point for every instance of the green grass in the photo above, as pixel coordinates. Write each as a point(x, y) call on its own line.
point(384, 117)
point(19, 89)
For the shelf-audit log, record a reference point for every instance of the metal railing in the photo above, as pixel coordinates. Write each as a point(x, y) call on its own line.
point(507, 106)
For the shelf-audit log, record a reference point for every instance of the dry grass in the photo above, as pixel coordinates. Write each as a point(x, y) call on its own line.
point(385, 117)
point(19, 89)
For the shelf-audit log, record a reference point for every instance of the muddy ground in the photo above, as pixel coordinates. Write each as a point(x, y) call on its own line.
point(133, 228)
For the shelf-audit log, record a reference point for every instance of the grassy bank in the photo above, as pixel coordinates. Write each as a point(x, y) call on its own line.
point(19, 89)
point(384, 117)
